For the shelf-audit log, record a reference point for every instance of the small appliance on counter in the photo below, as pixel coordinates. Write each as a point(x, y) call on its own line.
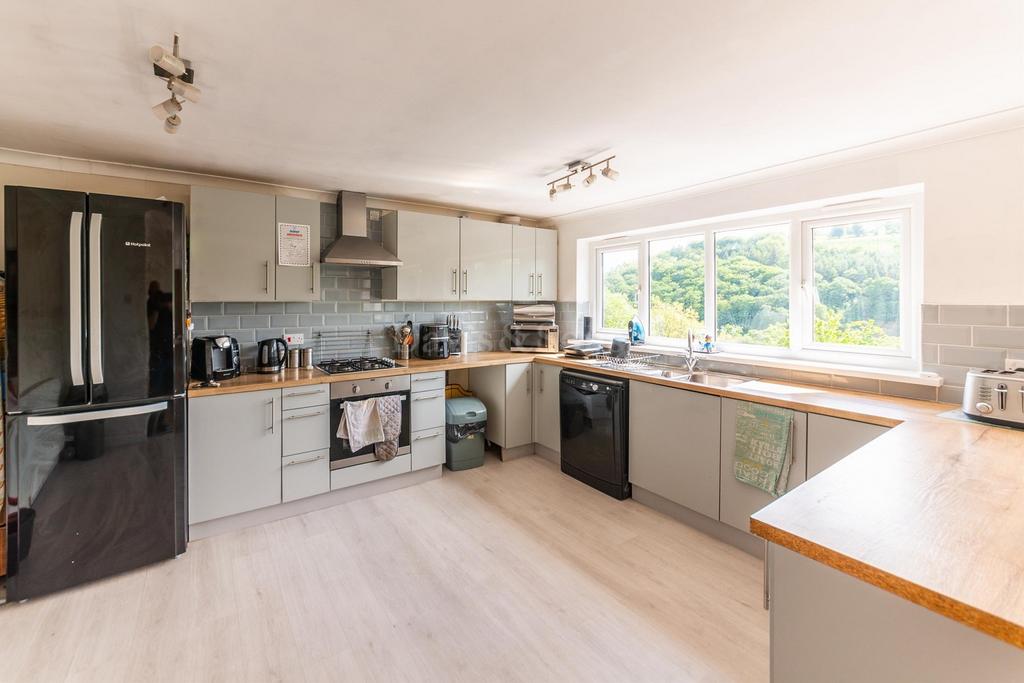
point(533, 329)
point(995, 396)
point(215, 359)
point(271, 355)
point(434, 341)
point(455, 336)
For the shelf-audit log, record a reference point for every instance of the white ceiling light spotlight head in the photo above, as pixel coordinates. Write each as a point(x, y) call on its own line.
point(564, 184)
point(179, 76)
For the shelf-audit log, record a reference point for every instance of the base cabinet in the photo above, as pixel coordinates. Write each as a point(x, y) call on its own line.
point(830, 439)
point(428, 448)
point(507, 392)
point(674, 444)
point(370, 471)
point(740, 500)
point(234, 454)
point(305, 475)
point(547, 429)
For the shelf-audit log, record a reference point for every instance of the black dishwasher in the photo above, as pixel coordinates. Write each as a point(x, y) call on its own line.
point(595, 431)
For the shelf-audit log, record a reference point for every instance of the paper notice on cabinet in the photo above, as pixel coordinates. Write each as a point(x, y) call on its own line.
point(293, 244)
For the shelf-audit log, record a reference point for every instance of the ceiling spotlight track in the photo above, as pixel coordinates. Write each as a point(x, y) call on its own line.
point(169, 66)
point(564, 183)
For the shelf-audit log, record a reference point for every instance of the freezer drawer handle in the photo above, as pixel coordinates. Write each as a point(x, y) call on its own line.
point(75, 297)
point(299, 417)
point(303, 462)
point(95, 312)
point(67, 418)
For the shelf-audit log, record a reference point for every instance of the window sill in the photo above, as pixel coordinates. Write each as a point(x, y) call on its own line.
point(928, 379)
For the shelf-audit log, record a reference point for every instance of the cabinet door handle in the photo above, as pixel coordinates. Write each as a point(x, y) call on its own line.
point(766, 598)
point(531, 283)
point(426, 398)
point(303, 462)
point(304, 393)
point(426, 436)
point(270, 404)
point(540, 283)
point(465, 281)
point(540, 385)
point(266, 276)
point(425, 379)
point(312, 278)
point(301, 417)
point(455, 281)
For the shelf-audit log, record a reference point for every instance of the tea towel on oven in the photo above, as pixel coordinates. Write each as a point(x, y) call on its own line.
point(390, 410)
point(360, 423)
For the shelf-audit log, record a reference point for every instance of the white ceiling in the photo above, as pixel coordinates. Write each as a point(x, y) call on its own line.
point(478, 104)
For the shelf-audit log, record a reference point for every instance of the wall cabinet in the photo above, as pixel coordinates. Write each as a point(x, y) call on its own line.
point(234, 453)
point(674, 445)
point(232, 246)
point(486, 261)
point(233, 250)
point(507, 392)
point(739, 500)
point(830, 439)
point(547, 429)
point(534, 264)
point(429, 247)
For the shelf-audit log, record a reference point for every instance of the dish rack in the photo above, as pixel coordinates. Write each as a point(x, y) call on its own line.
point(632, 361)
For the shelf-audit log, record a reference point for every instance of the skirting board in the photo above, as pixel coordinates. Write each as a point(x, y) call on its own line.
point(516, 452)
point(242, 520)
point(547, 453)
point(748, 543)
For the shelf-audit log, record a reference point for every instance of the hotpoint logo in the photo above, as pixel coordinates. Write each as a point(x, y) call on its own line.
point(137, 244)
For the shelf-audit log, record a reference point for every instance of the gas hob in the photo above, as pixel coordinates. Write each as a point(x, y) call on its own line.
point(338, 366)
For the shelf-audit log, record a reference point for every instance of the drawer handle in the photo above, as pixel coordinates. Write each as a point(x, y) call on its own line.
point(425, 398)
point(300, 417)
point(425, 379)
point(426, 436)
point(303, 462)
point(304, 393)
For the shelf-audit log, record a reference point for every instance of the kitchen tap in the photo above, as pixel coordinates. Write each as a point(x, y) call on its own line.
point(691, 360)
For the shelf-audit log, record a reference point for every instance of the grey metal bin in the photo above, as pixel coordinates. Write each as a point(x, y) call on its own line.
point(465, 421)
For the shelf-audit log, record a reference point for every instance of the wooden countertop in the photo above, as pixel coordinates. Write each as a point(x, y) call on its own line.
point(932, 511)
point(298, 378)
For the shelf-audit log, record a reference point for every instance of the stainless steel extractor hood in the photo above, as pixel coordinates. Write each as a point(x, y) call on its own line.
point(353, 247)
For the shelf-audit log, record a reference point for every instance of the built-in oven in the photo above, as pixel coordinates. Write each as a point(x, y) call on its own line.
point(533, 337)
point(359, 390)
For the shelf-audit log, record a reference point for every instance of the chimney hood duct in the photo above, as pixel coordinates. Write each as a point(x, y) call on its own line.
point(353, 247)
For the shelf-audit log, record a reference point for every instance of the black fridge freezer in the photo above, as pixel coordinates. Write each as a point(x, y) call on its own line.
point(95, 449)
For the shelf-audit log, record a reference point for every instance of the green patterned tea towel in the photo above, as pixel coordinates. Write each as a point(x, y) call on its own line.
point(764, 446)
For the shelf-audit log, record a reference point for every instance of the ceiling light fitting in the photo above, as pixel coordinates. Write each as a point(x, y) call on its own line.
point(564, 184)
point(169, 66)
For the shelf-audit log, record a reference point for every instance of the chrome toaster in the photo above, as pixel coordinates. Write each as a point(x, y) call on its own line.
point(995, 396)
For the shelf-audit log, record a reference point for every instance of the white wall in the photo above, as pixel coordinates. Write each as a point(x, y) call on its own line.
point(973, 207)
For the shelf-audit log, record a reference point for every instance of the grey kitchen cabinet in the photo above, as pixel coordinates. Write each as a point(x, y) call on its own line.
point(234, 453)
point(547, 429)
point(232, 245)
point(305, 429)
point(507, 392)
point(427, 409)
point(739, 500)
point(298, 283)
point(534, 264)
point(674, 445)
point(485, 260)
point(305, 474)
point(428, 245)
point(428, 448)
point(830, 439)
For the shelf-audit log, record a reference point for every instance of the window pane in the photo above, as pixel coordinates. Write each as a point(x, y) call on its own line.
point(752, 285)
point(677, 286)
point(857, 282)
point(619, 287)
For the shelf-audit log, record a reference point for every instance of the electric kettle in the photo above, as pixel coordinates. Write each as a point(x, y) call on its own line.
point(270, 355)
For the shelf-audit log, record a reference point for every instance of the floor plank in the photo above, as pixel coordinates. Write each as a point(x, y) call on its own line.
point(510, 572)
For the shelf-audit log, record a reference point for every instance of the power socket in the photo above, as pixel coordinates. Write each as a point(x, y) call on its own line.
point(1014, 364)
point(298, 339)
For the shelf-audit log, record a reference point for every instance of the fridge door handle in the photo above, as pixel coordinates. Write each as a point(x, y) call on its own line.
point(75, 297)
point(67, 418)
point(95, 311)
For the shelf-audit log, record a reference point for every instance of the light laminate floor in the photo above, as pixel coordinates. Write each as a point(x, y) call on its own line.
point(510, 572)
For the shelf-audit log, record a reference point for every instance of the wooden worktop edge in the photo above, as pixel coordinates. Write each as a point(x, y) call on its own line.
point(978, 619)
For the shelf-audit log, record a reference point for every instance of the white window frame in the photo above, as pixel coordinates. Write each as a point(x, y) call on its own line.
point(801, 314)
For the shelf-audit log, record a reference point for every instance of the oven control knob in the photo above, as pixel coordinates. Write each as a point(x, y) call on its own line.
point(387, 386)
point(983, 408)
point(356, 389)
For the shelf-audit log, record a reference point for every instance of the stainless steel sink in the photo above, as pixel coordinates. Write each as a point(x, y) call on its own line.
point(713, 379)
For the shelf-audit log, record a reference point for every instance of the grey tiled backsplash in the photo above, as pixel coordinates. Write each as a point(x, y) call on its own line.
point(957, 338)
